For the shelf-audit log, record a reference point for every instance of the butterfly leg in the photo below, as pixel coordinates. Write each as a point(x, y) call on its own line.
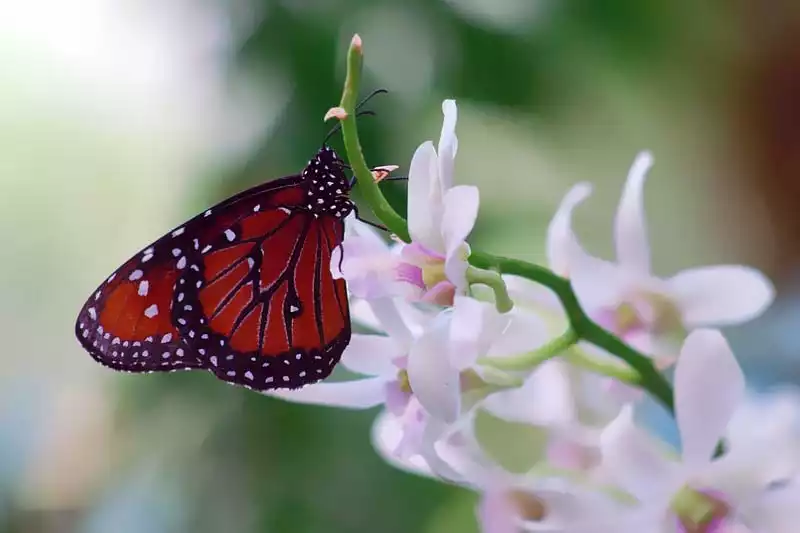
point(367, 222)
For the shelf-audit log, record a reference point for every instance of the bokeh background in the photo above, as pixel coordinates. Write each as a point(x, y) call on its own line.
point(121, 118)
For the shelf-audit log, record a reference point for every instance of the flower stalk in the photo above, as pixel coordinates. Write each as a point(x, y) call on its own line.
point(530, 360)
point(494, 281)
point(366, 181)
point(581, 326)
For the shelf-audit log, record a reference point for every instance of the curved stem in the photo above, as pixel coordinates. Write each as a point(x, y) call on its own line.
point(366, 182)
point(620, 373)
point(492, 280)
point(534, 358)
point(648, 377)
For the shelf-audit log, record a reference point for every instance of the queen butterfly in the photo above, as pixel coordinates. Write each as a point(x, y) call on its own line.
point(243, 290)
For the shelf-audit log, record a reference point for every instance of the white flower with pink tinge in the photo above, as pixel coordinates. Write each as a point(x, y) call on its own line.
point(509, 502)
point(698, 493)
point(645, 310)
point(648, 312)
point(431, 268)
point(424, 363)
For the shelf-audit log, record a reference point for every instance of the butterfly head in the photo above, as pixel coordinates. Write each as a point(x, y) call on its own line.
point(327, 186)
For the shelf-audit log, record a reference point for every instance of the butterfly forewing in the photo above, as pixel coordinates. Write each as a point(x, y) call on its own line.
point(244, 289)
point(260, 302)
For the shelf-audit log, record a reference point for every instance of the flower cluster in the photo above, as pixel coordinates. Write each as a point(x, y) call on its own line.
point(433, 348)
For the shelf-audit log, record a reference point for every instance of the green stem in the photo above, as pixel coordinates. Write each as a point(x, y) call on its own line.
point(366, 183)
point(623, 374)
point(494, 281)
point(532, 359)
point(648, 377)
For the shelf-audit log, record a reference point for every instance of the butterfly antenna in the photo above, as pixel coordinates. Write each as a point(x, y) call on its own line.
point(366, 99)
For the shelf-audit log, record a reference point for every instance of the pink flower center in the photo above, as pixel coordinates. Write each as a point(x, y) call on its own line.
point(424, 268)
point(642, 312)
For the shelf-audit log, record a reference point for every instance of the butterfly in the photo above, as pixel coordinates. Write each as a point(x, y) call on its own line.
point(243, 290)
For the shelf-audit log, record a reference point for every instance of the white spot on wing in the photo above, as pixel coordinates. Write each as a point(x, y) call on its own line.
point(144, 286)
point(151, 311)
point(178, 231)
point(249, 375)
point(176, 252)
point(182, 262)
point(285, 210)
point(166, 338)
point(136, 274)
point(230, 235)
point(92, 313)
point(146, 258)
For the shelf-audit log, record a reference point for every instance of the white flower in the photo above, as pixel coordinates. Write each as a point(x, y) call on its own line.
point(370, 266)
point(646, 311)
point(554, 398)
point(509, 503)
point(440, 217)
point(382, 358)
point(443, 376)
point(695, 492)
point(423, 369)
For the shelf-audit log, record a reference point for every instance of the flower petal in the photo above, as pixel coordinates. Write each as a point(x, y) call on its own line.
point(425, 198)
point(458, 219)
point(474, 326)
point(497, 513)
point(355, 394)
point(709, 386)
point(634, 462)
point(720, 295)
point(356, 227)
point(598, 284)
point(372, 355)
point(387, 433)
point(560, 237)
point(448, 144)
point(369, 267)
point(532, 296)
point(434, 380)
point(388, 313)
point(440, 294)
point(515, 333)
point(630, 229)
point(545, 398)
